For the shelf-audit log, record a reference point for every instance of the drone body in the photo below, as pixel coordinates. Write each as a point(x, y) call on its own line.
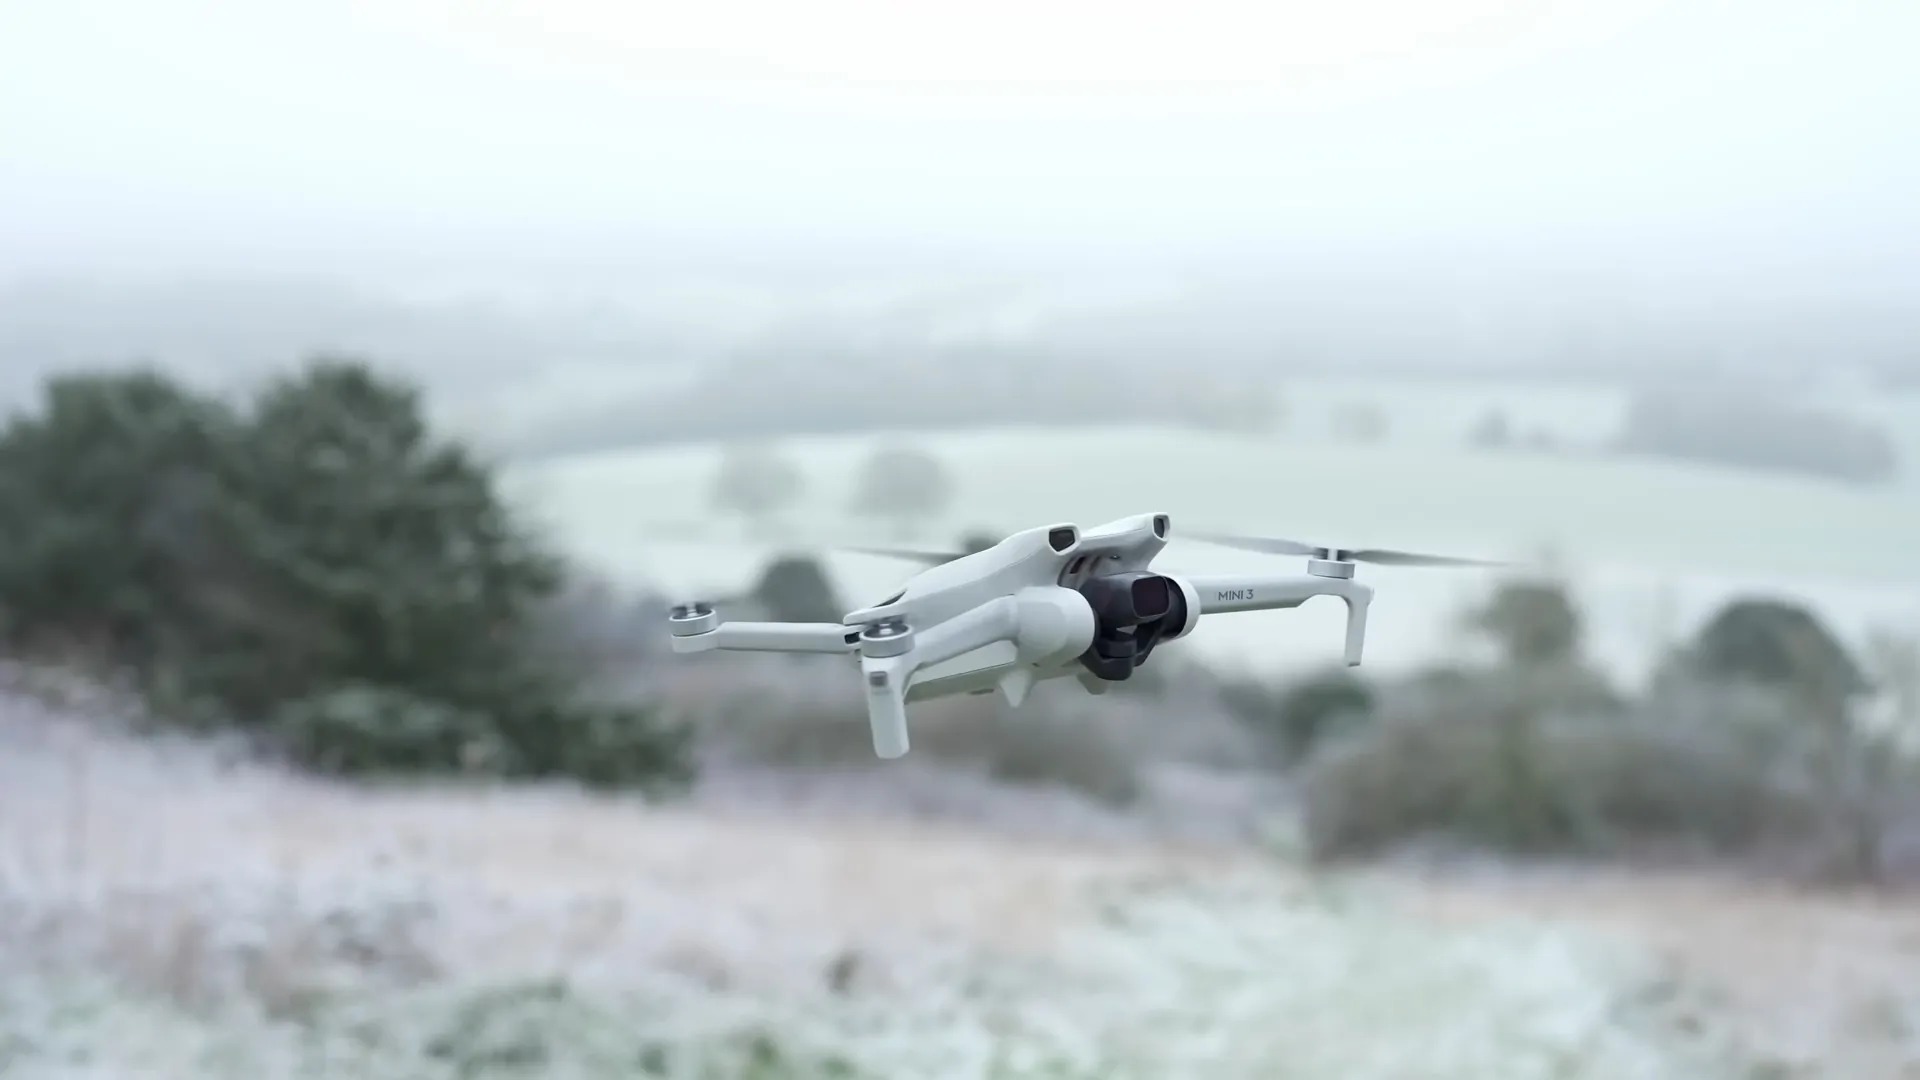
point(1042, 604)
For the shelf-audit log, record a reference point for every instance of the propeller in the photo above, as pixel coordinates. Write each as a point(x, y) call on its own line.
point(1273, 545)
point(928, 558)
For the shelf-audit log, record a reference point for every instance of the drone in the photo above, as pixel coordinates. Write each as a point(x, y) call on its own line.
point(1044, 603)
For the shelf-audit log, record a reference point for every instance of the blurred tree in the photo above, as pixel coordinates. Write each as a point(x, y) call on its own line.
point(1778, 643)
point(1298, 716)
point(903, 483)
point(794, 588)
point(319, 566)
point(1782, 645)
point(105, 495)
point(1360, 421)
point(1534, 623)
point(1492, 432)
point(1893, 658)
point(756, 482)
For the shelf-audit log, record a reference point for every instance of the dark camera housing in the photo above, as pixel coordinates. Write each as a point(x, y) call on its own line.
point(1132, 612)
point(1128, 599)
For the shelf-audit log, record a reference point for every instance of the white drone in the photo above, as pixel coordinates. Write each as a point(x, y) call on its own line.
point(1041, 604)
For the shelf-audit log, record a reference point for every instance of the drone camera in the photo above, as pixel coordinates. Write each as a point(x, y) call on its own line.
point(1063, 538)
point(1132, 612)
point(1149, 596)
point(1128, 599)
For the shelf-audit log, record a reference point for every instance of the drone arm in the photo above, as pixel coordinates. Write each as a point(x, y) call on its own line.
point(1220, 594)
point(768, 637)
point(887, 676)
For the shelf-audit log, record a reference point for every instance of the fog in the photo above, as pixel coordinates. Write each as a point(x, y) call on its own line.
point(1472, 184)
point(1758, 149)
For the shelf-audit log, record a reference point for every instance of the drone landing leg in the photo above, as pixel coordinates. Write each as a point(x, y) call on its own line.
point(887, 672)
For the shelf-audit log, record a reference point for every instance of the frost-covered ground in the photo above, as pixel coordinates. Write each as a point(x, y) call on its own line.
point(166, 915)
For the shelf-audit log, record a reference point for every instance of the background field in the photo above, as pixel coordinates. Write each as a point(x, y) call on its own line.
point(1650, 547)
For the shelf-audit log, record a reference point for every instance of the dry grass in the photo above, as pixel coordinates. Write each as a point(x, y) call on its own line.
point(807, 713)
point(246, 921)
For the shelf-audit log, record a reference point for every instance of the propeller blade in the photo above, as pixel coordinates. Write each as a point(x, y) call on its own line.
point(1390, 557)
point(1266, 545)
point(1273, 545)
point(928, 558)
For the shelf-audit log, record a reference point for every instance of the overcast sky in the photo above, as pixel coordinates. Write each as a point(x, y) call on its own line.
point(1773, 132)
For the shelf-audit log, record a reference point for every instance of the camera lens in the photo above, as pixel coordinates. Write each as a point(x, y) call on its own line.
point(1150, 599)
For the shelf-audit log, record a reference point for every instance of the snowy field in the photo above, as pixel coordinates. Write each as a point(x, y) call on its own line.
point(166, 916)
point(1650, 548)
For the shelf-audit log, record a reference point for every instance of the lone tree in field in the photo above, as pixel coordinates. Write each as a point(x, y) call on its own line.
point(1783, 645)
point(1780, 643)
point(1493, 432)
point(1360, 422)
point(795, 588)
point(756, 482)
point(903, 484)
point(1534, 623)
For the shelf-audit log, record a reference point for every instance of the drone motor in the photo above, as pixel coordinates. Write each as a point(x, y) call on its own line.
point(690, 620)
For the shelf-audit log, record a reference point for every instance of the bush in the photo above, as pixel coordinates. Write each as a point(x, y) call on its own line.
point(1295, 718)
point(370, 730)
point(794, 588)
point(1779, 647)
point(751, 710)
point(1070, 750)
point(1533, 622)
point(1775, 643)
point(313, 566)
point(1483, 765)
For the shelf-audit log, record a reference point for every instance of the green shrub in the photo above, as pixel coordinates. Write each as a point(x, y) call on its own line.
point(1071, 750)
point(368, 730)
point(794, 588)
point(1775, 643)
point(758, 712)
point(313, 565)
point(1295, 717)
point(1481, 763)
point(1533, 622)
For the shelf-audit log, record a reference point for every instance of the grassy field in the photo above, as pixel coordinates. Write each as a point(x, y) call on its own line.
point(1650, 547)
point(244, 923)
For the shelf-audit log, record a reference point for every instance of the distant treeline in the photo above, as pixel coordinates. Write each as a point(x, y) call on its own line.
point(807, 394)
point(1750, 431)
